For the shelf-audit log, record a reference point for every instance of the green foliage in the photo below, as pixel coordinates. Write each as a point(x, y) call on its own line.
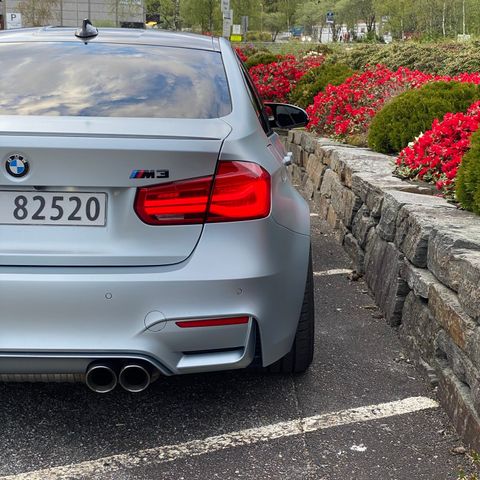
point(468, 178)
point(258, 37)
point(443, 58)
point(413, 112)
point(260, 57)
point(315, 81)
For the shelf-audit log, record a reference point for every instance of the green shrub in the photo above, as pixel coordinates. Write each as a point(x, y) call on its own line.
point(259, 36)
point(315, 81)
point(443, 58)
point(468, 177)
point(413, 112)
point(259, 58)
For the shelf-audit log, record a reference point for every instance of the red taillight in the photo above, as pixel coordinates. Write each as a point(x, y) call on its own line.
point(241, 191)
point(212, 322)
point(176, 203)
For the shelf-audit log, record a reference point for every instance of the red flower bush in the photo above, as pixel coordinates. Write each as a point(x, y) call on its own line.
point(241, 54)
point(348, 109)
point(275, 80)
point(436, 155)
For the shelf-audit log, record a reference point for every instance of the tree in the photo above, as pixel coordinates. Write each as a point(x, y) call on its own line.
point(274, 22)
point(354, 11)
point(38, 12)
point(201, 13)
point(310, 14)
point(162, 12)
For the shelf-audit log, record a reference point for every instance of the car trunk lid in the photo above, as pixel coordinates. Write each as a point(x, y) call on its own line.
point(96, 156)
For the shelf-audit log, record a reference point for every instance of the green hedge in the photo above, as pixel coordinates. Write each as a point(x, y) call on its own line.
point(413, 112)
point(315, 81)
point(444, 58)
point(468, 178)
point(259, 58)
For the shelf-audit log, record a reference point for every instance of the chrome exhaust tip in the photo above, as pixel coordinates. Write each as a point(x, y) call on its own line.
point(134, 378)
point(101, 378)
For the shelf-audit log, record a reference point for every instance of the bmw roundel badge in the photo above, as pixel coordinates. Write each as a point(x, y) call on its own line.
point(17, 165)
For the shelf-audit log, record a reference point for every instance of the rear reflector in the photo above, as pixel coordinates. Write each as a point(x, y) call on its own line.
point(241, 191)
point(212, 322)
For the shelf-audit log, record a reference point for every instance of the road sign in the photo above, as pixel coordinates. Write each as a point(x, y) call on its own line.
point(330, 17)
point(236, 29)
point(225, 6)
point(227, 27)
point(14, 20)
point(236, 38)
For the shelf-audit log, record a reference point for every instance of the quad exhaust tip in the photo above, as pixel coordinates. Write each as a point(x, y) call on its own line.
point(101, 378)
point(134, 378)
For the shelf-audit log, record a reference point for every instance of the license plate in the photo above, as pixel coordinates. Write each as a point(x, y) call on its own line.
point(53, 208)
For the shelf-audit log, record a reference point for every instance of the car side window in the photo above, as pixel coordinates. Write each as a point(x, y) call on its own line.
point(256, 101)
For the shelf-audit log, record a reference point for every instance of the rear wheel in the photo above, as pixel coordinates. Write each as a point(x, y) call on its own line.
point(299, 358)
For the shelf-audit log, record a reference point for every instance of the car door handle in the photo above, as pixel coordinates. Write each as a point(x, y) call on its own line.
point(287, 159)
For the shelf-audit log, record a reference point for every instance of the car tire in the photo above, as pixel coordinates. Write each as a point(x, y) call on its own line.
point(300, 356)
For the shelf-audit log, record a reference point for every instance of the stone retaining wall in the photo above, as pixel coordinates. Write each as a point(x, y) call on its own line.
point(419, 255)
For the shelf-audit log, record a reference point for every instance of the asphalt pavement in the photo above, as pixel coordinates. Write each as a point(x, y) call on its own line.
point(361, 412)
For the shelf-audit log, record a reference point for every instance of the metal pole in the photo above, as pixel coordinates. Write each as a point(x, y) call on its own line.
point(4, 13)
point(464, 30)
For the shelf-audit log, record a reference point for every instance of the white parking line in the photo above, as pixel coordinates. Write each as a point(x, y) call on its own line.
point(169, 453)
point(337, 271)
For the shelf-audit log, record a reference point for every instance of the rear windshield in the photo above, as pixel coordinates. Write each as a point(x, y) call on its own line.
point(109, 80)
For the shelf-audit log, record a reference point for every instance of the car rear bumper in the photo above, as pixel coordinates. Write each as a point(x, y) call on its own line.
point(58, 320)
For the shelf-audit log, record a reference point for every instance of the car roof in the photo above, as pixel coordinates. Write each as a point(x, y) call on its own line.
point(130, 36)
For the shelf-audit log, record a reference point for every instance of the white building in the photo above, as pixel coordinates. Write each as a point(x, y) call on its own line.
point(70, 13)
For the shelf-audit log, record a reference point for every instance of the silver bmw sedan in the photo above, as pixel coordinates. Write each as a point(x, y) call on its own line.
point(148, 226)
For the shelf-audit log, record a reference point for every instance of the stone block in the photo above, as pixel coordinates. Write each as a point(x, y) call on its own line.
point(355, 252)
point(328, 153)
point(394, 201)
point(419, 324)
point(369, 194)
point(315, 170)
point(362, 161)
point(309, 189)
point(465, 371)
point(446, 309)
point(340, 232)
point(448, 245)
point(413, 228)
point(469, 283)
point(297, 155)
point(332, 217)
point(456, 400)
point(382, 274)
point(308, 142)
point(297, 136)
point(290, 136)
point(320, 152)
point(323, 207)
point(343, 200)
point(418, 279)
point(296, 174)
point(362, 223)
point(330, 178)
